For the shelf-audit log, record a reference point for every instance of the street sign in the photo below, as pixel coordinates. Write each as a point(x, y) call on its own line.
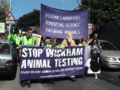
point(2, 27)
point(9, 22)
point(9, 18)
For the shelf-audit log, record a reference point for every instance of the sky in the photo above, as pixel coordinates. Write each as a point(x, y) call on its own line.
point(21, 7)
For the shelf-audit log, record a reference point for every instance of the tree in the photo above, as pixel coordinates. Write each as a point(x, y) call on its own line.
point(4, 8)
point(30, 19)
point(101, 10)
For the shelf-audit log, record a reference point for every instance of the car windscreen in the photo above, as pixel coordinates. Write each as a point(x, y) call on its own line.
point(107, 46)
point(4, 49)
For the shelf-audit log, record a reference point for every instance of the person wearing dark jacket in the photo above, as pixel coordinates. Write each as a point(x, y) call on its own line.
point(95, 55)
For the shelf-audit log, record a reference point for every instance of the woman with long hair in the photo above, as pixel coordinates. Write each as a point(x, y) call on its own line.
point(95, 56)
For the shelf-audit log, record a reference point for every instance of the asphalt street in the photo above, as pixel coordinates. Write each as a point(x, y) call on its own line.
point(107, 80)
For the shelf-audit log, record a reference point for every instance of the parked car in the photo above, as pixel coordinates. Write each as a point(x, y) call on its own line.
point(8, 62)
point(110, 55)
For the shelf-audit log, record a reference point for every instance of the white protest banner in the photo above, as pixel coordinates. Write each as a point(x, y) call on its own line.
point(2, 27)
point(37, 38)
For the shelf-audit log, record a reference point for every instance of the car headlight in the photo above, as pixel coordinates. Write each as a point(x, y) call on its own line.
point(111, 58)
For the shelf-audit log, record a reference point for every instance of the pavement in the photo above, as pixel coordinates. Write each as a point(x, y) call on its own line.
point(107, 80)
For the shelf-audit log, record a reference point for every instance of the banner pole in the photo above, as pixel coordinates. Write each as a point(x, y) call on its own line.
point(9, 30)
point(40, 18)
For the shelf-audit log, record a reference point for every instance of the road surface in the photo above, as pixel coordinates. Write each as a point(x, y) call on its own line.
point(107, 80)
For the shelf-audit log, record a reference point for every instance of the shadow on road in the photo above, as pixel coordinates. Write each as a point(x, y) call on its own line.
point(110, 70)
point(110, 75)
point(43, 81)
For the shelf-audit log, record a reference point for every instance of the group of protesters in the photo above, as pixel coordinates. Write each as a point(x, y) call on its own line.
point(26, 39)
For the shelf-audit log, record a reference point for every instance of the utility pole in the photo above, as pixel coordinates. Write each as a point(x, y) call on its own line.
point(9, 23)
point(10, 6)
point(10, 18)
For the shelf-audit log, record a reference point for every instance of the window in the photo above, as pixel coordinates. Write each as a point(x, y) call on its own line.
point(107, 46)
point(4, 48)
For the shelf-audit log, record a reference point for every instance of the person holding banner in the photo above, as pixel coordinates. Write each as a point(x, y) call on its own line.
point(69, 42)
point(48, 44)
point(35, 32)
point(37, 38)
point(42, 43)
point(47, 41)
point(91, 41)
point(83, 42)
point(27, 40)
point(54, 43)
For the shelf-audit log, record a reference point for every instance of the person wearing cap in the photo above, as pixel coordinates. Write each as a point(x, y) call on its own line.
point(27, 40)
point(48, 44)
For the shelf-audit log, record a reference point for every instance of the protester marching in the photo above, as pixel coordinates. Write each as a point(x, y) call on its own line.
point(62, 49)
point(59, 45)
point(34, 57)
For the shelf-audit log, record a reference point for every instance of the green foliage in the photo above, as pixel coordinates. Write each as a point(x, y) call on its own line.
point(4, 8)
point(30, 19)
point(2, 16)
point(101, 10)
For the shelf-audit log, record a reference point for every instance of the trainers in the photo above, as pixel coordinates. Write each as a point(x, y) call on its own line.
point(96, 77)
point(73, 79)
point(52, 82)
point(23, 84)
point(28, 84)
point(83, 76)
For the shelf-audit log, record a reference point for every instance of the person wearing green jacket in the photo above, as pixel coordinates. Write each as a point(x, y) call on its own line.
point(55, 43)
point(48, 44)
point(83, 42)
point(27, 40)
point(16, 40)
point(10, 38)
